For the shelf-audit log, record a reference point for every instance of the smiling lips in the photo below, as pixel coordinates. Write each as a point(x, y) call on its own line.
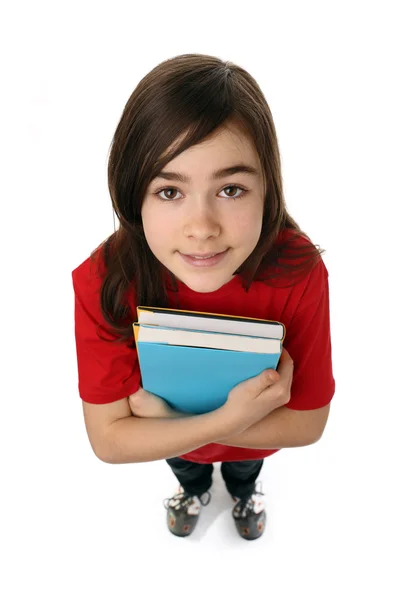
point(204, 255)
point(204, 260)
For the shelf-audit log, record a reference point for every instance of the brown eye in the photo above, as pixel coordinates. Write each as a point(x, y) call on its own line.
point(231, 187)
point(166, 191)
point(235, 187)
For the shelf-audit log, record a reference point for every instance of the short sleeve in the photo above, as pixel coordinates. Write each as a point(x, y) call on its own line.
point(107, 371)
point(308, 341)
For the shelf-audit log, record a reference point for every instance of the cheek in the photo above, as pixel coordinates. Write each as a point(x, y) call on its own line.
point(157, 230)
point(247, 226)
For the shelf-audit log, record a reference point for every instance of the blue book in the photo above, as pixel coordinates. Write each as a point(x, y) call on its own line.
point(192, 360)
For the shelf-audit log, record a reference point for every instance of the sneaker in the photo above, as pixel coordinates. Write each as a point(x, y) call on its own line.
point(249, 515)
point(183, 511)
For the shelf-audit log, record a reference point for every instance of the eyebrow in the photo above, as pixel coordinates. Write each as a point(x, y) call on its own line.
point(219, 174)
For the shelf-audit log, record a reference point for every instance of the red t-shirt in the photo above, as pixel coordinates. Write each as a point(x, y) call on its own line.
point(109, 372)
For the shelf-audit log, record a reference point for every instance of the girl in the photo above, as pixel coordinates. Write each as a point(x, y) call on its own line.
point(195, 180)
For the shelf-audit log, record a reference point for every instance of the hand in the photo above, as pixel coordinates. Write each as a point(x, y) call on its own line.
point(253, 399)
point(146, 404)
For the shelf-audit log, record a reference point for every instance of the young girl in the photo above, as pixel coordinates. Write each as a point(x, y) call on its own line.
point(195, 180)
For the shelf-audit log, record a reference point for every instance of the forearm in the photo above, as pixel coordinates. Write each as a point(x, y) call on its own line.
point(134, 439)
point(282, 428)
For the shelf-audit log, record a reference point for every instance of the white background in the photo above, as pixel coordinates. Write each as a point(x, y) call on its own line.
point(72, 526)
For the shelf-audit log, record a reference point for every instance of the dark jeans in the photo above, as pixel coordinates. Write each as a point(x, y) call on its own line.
point(196, 478)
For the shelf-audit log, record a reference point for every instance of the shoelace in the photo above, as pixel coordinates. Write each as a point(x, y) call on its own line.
point(184, 499)
point(247, 503)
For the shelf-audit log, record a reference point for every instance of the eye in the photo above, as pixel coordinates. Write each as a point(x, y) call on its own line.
point(168, 189)
point(235, 187)
point(228, 187)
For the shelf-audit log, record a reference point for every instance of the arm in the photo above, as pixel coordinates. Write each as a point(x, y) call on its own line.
point(133, 439)
point(282, 428)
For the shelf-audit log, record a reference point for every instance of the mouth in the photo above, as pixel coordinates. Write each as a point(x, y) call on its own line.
point(204, 260)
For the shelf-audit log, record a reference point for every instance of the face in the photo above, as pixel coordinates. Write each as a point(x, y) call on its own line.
point(206, 214)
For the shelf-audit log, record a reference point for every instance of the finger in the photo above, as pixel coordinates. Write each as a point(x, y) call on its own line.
point(285, 366)
point(272, 377)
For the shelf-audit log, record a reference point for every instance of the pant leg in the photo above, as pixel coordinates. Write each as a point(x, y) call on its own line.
point(240, 476)
point(195, 478)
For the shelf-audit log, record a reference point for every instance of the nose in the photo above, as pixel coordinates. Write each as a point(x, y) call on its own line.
point(202, 222)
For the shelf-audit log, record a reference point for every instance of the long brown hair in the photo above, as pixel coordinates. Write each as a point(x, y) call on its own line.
point(188, 97)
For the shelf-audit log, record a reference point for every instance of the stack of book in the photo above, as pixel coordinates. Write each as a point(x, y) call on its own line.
point(193, 359)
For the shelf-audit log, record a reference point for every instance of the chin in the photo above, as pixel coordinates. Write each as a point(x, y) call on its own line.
point(205, 287)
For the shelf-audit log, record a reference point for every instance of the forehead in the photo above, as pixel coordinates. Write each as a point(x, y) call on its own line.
point(229, 150)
